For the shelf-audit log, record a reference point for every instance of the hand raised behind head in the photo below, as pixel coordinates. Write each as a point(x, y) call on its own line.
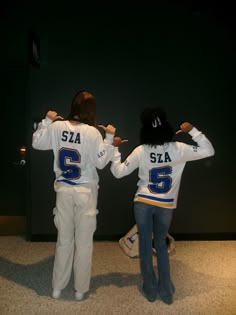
point(51, 114)
point(108, 129)
point(117, 141)
point(185, 127)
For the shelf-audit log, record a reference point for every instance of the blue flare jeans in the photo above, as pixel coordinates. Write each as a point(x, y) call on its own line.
point(153, 222)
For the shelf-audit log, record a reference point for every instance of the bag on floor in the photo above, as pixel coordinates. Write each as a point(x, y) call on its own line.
point(130, 243)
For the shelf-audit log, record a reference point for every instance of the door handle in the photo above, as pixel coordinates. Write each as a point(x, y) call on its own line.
point(20, 163)
point(21, 156)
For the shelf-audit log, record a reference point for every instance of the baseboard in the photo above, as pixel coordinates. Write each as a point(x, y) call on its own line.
point(53, 237)
point(204, 236)
point(43, 238)
point(177, 237)
point(12, 225)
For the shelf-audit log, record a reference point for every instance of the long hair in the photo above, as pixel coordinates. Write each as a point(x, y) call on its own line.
point(83, 108)
point(155, 130)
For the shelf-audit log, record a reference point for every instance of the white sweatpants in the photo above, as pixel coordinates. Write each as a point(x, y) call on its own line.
point(75, 219)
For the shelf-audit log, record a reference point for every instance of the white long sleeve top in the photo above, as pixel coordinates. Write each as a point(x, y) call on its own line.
point(78, 150)
point(160, 168)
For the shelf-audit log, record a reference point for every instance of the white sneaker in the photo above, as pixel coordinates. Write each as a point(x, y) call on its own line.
point(79, 296)
point(56, 293)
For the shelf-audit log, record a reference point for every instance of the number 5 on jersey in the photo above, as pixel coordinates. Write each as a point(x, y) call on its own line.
point(160, 179)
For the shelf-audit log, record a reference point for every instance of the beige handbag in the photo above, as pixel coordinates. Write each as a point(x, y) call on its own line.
point(130, 243)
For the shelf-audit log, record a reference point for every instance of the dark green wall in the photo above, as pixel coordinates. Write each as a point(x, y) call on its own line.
point(178, 56)
point(14, 75)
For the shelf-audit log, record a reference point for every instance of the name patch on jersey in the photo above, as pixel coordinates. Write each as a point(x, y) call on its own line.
point(159, 158)
point(100, 154)
point(126, 163)
point(71, 137)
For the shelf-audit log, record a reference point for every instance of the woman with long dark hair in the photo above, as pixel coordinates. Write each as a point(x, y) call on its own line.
point(79, 150)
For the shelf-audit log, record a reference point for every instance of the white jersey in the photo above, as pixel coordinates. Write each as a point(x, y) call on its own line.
point(78, 150)
point(160, 168)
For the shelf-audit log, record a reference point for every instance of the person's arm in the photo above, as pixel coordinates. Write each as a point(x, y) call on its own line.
point(119, 169)
point(101, 150)
point(204, 147)
point(41, 138)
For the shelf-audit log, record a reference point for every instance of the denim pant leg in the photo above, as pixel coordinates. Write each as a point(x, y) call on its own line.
point(143, 217)
point(161, 222)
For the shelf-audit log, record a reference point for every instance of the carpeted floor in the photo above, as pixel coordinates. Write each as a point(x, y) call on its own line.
point(204, 274)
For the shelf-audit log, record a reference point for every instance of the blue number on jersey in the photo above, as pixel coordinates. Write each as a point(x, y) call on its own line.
point(70, 171)
point(161, 180)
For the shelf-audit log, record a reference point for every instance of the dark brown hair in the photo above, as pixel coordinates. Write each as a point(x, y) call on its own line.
point(83, 108)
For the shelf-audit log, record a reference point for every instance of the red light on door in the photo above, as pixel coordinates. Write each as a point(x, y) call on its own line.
point(22, 149)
